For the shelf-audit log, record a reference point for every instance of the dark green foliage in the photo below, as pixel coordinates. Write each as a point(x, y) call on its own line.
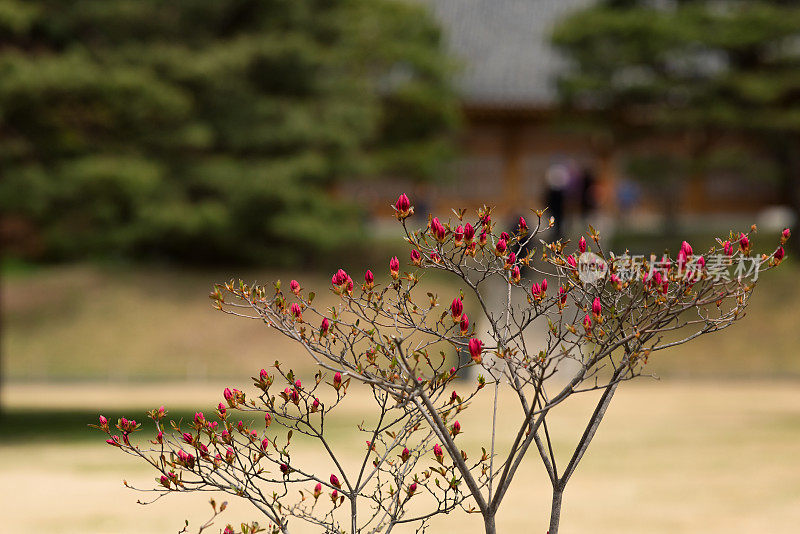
point(211, 130)
point(700, 69)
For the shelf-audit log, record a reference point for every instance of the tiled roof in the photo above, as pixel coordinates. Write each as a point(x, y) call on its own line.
point(503, 48)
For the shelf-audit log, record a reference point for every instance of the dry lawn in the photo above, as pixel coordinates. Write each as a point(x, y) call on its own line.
point(671, 457)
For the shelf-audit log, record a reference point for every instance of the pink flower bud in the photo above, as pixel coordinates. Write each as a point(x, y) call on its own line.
point(297, 313)
point(464, 324)
point(188, 438)
point(337, 380)
point(298, 384)
point(744, 243)
point(164, 481)
point(544, 286)
point(785, 235)
point(523, 226)
point(335, 481)
point(284, 468)
point(582, 245)
point(511, 260)
point(482, 239)
point(728, 248)
point(334, 496)
point(779, 254)
point(438, 230)
point(403, 206)
point(597, 307)
point(458, 234)
point(687, 248)
point(103, 421)
point(264, 444)
point(572, 262)
point(412, 488)
point(315, 405)
point(369, 279)
point(267, 419)
point(416, 258)
point(536, 290)
point(437, 452)
point(263, 374)
point(294, 396)
point(405, 455)
point(394, 267)
point(505, 236)
point(456, 309)
point(294, 287)
point(701, 262)
point(456, 428)
point(469, 233)
point(486, 220)
point(501, 247)
point(562, 295)
point(453, 397)
point(587, 322)
point(229, 455)
point(475, 349)
point(435, 257)
point(317, 490)
point(323, 328)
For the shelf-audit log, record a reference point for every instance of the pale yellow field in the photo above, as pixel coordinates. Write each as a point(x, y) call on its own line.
point(671, 457)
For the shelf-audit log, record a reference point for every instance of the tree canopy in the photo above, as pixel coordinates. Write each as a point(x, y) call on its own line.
point(209, 130)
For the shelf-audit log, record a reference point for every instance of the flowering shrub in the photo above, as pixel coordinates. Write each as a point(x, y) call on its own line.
point(605, 314)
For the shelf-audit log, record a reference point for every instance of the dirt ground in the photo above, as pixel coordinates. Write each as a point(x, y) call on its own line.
point(671, 457)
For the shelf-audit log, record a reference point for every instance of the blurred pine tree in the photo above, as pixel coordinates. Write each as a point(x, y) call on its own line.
point(208, 130)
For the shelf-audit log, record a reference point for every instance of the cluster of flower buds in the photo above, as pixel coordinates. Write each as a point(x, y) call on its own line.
point(291, 394)
point(233, 397)
point(297, 312)
point(403, 208)
point(438, 230)
point(185, 459)
point(538, 291)
point(342, 283)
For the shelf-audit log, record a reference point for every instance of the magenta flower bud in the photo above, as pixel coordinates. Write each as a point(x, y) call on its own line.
point(335, 481)
point(264, 444)
point(405, 455)
point(228, 530)
point(501, 247)
point(701, 262)
point(587, 322)
point(728, 248)
point(486, 220)
point(340, 278)
point(516, 275)
point(464, 324)
point(482, 239)
point(511, 260)
point(229, 455)
point(334, 496)
point(416, 258)
point(403, 207)
point(160, 437)
point(469, 232)
point(323, 328)
point(240, 426)
point(188, 438)
point(744, 243)
point(295, 396)
point(686, 248)
point(536, 290)
point(227, 394)
point(199, 418)
point(456, 429)
point(453, 397)
point(523, 226)
point(369, 279)
point(785, 235)
point(113, 440)
point(315, 405)
point(475, 349)
point(394, 267)
point(544, 285)
point(412, 488)
point(435, 257)
point(572, 262)
point(317, 490)
point(297, 313)
point(456, 309)
point(267, 419)
point(582, 245)
point(103, 421)
point(294, 287)
point(298, 384)
point(164, 481)
point(452, 371)
point(597, 307)
point(562, 295)
point(437, 451)
point(779, 254)
point(438, 230)
point(505, 236)
point(458, 234)
point(337, 380)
